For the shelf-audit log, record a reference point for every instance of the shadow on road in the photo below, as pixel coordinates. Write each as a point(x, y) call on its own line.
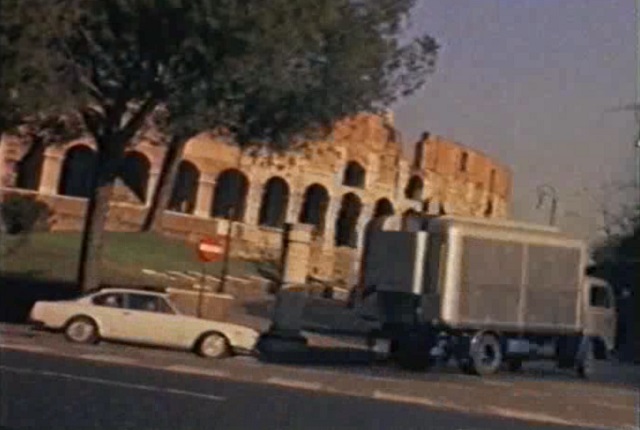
point(320, 356)
point(18, 293)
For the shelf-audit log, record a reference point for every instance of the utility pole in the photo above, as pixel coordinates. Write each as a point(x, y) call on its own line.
point(637, 101)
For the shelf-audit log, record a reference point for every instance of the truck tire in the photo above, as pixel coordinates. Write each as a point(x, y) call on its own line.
point(485, 354)
point(585, 358)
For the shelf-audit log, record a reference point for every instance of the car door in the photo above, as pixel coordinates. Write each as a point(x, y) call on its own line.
point(108, 309)
point(150, 320)
point(601, 319)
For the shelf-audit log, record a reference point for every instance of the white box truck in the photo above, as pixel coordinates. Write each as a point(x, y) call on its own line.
point(486, 293)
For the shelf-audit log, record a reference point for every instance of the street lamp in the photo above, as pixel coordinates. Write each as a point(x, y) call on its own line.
point(231, 211)
point(548, 191)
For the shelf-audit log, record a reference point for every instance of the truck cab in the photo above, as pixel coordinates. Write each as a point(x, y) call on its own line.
point(600, 318)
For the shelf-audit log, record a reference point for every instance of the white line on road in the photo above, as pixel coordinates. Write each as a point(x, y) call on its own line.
point(535, 416)
point(295, 383)
point(384, 395)
point(101, 381)
point(24, 347)
point(181, 368)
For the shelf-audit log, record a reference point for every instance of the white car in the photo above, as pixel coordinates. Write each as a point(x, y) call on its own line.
point(142, 317)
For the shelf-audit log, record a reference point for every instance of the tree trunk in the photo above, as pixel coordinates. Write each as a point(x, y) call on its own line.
point(164, 187)
point(95, 221)
point(3, 225)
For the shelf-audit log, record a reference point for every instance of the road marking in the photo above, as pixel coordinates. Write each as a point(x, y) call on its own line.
point(295, 383)
point(24, 347)
point(383, 395)
point(534, 416)
point(392, 397)
point(109, 358)
point(101, 381)
point(181, 368)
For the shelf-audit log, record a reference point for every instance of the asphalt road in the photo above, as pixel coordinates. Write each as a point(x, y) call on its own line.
point(46, 392)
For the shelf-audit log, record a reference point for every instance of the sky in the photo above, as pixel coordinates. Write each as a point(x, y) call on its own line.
point(536, 84)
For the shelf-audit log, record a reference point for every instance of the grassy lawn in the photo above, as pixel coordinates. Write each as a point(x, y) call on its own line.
point(54, 256)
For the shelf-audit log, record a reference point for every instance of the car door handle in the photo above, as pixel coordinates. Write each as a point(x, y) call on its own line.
point(126, 313)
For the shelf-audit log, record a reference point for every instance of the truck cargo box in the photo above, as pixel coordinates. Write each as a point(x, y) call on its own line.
point(470, 273)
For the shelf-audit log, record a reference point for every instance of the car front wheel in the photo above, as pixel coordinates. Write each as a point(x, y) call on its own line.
point(81, 330)
point(213, 345)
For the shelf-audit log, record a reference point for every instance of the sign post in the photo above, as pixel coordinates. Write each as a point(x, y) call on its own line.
point(210, 249)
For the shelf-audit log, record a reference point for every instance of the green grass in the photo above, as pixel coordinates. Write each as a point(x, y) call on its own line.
point(54, 256)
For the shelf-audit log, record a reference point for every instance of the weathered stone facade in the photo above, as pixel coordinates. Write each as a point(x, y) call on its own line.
point(338, 185)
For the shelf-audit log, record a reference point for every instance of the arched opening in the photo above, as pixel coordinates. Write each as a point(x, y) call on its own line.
point(354, 175)
point(441, 209)
point(347, 222)
point(230, 195)
point(185, 189)
point(464, 161)
point(414, 188)
point(273, 211)
point(77, 172)
point(426, 206)
point(383, 207)
point(314, 208)
point(134, 172)
point(488, 211)
point(29, 168)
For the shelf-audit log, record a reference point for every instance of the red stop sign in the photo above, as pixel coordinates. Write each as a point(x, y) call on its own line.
point(211, 249)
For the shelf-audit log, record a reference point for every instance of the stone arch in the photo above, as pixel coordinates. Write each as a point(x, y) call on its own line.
point(347, 221)
point(29, 168)
point(185, 188)
point(426, 206)
point(77, 171)
point(413, 190)
point(383, 207)
point(314, 207)
point(354, 175)
point(488, 211)
point(275, 199)
point(134, 173)
point(230, 194)
point(464, 161)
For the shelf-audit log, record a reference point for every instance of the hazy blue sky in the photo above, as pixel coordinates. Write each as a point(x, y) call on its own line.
point(533, 83)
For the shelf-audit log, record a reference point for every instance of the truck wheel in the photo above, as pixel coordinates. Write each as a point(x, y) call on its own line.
point(485, 353)
point(585, 358)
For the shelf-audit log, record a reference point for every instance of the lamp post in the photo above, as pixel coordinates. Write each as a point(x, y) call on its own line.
point(231, 211)
point(550, 192)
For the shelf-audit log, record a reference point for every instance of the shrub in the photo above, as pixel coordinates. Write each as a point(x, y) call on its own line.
point(24, 214)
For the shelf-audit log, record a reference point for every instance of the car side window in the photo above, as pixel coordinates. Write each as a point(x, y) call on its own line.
point(112, 300)
point(148, 303)
point(599, 297)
